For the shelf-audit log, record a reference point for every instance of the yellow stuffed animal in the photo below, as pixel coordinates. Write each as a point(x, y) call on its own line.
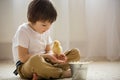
point(57, 48)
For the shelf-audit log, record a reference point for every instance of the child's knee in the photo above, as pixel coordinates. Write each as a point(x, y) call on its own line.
point(30, 66)
point(75, 51)
point(34, 59)
point(25, 69)
point(73, 55)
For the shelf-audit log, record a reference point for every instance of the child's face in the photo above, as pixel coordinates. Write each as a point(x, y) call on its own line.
point(41, 27)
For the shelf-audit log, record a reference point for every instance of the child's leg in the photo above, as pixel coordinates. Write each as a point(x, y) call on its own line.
point(37, 64)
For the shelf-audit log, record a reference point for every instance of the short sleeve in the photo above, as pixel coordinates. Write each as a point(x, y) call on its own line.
point(21, 39)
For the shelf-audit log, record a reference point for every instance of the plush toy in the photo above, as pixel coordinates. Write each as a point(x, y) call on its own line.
point(57, 48)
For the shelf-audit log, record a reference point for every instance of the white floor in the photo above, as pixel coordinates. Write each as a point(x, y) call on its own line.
point(96, 71)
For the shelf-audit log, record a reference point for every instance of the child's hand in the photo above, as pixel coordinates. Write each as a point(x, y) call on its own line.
point(61, 57)
point(54, 59)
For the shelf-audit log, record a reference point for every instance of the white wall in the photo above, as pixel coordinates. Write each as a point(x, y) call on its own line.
point(12, 14)
point(78, 34)
point(6, 20)
point(6, 28)
point(61, 26)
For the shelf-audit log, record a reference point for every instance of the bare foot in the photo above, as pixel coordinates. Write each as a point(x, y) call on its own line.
point(35, 76)
point(67, 74)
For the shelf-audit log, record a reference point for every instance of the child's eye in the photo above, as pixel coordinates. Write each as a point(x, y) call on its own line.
point(44, 25)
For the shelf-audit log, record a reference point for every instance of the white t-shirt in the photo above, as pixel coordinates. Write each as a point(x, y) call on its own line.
point(28, 38)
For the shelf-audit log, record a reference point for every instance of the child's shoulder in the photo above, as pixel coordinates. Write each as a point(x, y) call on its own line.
point(23, 27)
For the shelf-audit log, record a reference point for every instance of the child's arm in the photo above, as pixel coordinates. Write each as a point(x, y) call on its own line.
point(23, 54)
point(48, 48)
